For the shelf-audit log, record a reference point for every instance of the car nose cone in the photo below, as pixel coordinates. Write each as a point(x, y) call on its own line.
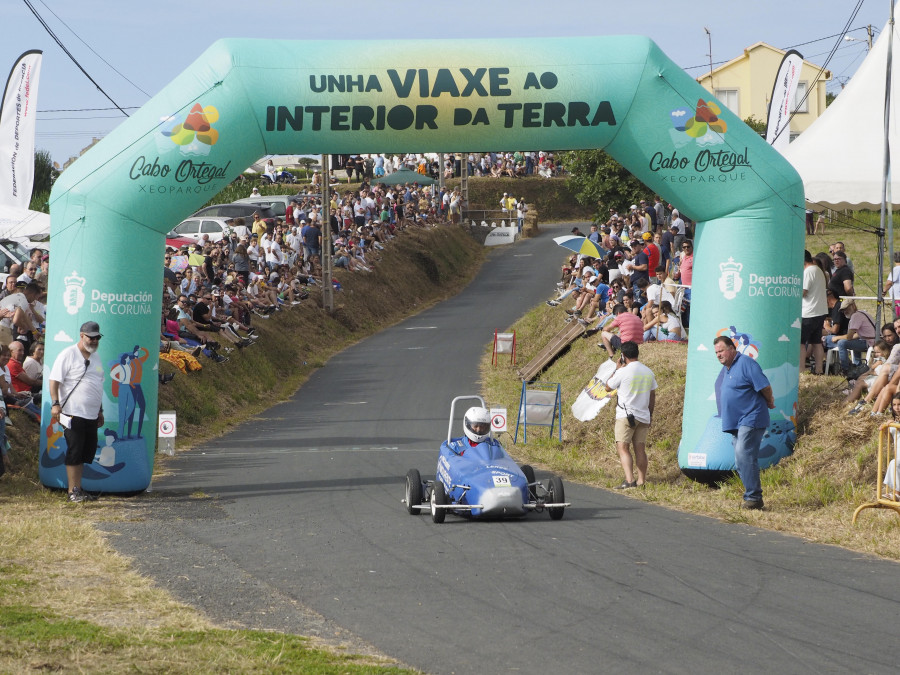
point(500, 501)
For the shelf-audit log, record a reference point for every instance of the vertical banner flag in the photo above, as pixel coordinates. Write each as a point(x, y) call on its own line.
point(781, 105)
point(17, 117)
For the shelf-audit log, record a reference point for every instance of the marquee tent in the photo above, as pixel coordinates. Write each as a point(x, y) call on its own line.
point(17, 222)
point(841, 156)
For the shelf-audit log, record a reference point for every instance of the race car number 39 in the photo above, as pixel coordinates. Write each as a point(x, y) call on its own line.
point(501, 481)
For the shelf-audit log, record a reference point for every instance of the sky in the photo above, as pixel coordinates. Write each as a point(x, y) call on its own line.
point(133, 49)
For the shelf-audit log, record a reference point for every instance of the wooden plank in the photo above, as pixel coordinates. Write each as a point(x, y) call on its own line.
point(551, 350)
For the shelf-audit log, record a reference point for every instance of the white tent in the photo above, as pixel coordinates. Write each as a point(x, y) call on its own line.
point(17, 222)
point(841, 156)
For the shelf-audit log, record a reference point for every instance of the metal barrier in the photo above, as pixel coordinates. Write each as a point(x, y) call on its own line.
point(888, 445)
point(490, 217)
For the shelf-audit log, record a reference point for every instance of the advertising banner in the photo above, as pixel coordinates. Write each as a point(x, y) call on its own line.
point(233, 105)
point(18, 114)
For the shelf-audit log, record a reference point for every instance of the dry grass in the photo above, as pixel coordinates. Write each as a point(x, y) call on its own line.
point(70, 603)
point(811, 494)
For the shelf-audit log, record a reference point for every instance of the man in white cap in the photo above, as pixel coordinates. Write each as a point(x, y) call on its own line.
point(76, 390)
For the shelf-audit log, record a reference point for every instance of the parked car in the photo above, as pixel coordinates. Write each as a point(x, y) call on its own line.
point(278, 203)
point(194, 228)
point(175, 243)
point(236, 210)
point(10, 253)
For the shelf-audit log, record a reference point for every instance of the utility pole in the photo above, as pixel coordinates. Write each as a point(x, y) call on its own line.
point(709, 38)
point(327, 272)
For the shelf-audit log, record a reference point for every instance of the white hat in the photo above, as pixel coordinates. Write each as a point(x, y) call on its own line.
point(634, 207)
point(588, 271)
point(303, 222)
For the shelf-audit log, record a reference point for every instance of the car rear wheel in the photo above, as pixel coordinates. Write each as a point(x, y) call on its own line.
point(529, 476)
point(413, 491)
point(438, 498)
point(556, 495)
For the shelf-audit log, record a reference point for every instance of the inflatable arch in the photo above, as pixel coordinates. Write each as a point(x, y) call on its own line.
point(111, 208)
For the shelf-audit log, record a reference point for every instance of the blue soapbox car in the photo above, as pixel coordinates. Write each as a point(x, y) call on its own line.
point(481, 481)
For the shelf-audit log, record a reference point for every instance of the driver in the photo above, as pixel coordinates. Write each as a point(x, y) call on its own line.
point(477, 425)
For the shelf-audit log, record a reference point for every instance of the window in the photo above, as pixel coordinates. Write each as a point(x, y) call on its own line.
point(729, 98)
point(802, 88)
point(188, 228)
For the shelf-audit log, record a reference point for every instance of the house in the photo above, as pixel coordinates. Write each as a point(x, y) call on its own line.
point(744, 86)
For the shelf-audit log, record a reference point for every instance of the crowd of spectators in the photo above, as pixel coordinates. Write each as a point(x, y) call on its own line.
point(479, 164)
point(645, 269)
point(22, 323)
point(638, 288)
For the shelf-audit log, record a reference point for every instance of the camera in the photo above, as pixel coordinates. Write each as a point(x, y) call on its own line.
point(631, 421)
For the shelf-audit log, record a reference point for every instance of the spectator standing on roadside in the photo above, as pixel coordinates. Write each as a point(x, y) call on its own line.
point(635, 387)
point(813, 312)
point(743, 398)
point(76, 389)
point(842, 276)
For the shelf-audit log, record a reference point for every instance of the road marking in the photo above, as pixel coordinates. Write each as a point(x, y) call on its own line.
point(347, 403)
point(415, 347)
point(422, 328)
point(211, 453)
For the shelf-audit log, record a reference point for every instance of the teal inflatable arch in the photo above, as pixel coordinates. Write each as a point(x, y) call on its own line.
point(111, 208)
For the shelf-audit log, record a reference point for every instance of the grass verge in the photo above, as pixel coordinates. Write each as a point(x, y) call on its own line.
point(70, 603)
point(812, 494)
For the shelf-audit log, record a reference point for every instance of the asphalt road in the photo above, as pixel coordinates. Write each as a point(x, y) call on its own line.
point(307, 533)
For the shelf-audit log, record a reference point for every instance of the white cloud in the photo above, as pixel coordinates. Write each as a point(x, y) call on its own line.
point(702, 348)
point(784, 338)
point(681, 112)
point(796, 324)
point(62, 337)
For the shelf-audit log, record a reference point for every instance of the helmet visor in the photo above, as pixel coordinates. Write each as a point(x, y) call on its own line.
point(480, 428)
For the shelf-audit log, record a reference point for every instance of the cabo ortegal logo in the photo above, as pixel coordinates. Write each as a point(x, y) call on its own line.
point(195, 134)
point(705, 119)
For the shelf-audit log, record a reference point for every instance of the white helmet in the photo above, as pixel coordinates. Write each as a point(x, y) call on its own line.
point(477, 423)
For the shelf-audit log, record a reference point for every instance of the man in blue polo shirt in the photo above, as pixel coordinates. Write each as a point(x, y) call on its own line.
point(744, 398)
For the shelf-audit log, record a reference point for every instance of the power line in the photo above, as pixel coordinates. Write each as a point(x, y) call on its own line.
point(133, 107)
point(69, 54)
point(92, 50)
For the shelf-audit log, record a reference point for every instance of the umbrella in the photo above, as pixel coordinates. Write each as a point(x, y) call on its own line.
point(179, 263)
point(581, 245)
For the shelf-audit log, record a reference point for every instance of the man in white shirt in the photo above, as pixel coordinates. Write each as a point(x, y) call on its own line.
point(635, 387)
point(76, 389)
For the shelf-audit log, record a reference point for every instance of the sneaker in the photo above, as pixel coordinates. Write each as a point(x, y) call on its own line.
point(752, 504)
point(571, 311)
point(195, 352)
point(857, 408)
point(626, 485)
point(79, 495)
point(583, 322)
point(552, 303)
point(220, 359)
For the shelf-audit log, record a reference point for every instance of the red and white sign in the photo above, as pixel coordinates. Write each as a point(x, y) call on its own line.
point(498, 419)
point(167, 427)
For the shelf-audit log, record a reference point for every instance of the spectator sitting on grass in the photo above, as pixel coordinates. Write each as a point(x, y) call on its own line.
point(880, 373)
point(20, 380)
point(664, 325)
point(625, 327)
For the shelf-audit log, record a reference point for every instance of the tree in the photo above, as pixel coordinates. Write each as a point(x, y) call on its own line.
point(45, 174)
point(598, 179)
point(757, 125)
point(829, 98)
